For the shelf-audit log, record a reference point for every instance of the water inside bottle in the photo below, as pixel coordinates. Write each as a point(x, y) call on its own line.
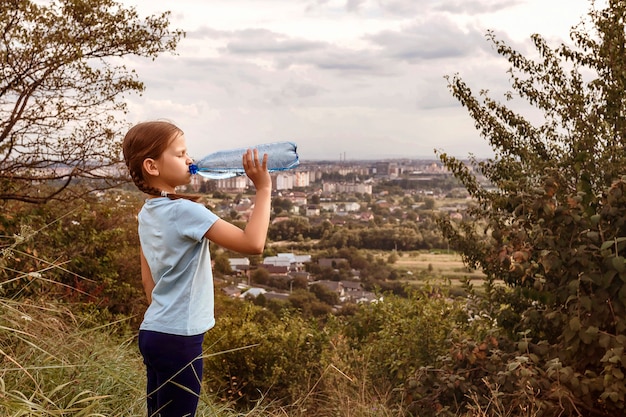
point(219, 175)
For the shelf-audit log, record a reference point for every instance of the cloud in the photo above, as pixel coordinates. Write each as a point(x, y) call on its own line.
point(365, 77)
point(427, 7)
point(261, 41)
point(473, 7)
point(434, 39)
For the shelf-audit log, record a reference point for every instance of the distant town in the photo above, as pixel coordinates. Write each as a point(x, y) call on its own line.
point(354, 195)
point(339, 177)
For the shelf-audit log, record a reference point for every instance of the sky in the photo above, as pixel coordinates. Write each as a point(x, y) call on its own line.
point(343, 79)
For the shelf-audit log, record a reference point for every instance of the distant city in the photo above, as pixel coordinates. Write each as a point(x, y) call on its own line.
point(349, 176)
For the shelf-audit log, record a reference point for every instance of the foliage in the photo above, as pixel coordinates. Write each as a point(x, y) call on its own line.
point(293, 229)
point(404, 236)
point(554, 226)
point(221, 264)
point(400, 233)
point(55, 363)
point(309, 304)
point(400, 335)
point(253, 354)
point(79, 252)
point(324, 294)
point(61, 89)
point(280, 204)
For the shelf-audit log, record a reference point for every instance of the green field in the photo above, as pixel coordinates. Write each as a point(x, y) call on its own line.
point(422, 267)
point(448, 264)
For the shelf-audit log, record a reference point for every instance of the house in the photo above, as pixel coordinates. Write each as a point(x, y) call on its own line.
point(366, 216)
point(275, 269)
point(383, 204)
point(232, 291)
point(277, 261)
point(312, 211)
point(333, 286)
point(272, 295)
point(300, 274)
point(330, 207)
point(235, 184)
point(252, 292)
point(289, 260)
point(352, 206)
point(239, 265)
point(367, 297)
point(244, 209)
point(298, 198)
point(353, 291)
point(351, 286)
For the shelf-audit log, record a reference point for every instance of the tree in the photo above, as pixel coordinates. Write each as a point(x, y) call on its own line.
point(62, 89)
point(221, 264)
point(261, 276)
point(324, 294)
point(290, 229)
point(554, 230)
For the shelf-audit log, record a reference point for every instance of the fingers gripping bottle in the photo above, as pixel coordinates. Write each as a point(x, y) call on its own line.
point(281, 156)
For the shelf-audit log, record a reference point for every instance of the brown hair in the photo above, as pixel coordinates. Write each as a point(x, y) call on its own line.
point(149, 140)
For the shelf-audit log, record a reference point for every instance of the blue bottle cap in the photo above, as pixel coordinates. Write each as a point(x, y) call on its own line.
point(193, 169)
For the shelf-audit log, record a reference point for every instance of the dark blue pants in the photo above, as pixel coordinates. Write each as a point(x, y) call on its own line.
point(174, 370)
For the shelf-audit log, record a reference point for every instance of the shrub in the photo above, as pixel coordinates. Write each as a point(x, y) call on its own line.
point(252, 355)
point(398, 336)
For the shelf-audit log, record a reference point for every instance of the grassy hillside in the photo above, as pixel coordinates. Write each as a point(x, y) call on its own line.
point(57, 363)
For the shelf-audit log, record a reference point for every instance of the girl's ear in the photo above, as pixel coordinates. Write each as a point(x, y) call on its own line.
point(150, 167)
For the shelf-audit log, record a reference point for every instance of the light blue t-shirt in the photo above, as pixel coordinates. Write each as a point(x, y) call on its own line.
point(171, 233)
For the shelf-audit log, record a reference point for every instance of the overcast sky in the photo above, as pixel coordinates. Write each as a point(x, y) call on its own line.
point(360, 78)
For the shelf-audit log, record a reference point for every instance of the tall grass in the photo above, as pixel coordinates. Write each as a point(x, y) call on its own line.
point(55, 363)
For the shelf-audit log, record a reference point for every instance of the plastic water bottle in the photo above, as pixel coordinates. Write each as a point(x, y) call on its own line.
point(281, 156)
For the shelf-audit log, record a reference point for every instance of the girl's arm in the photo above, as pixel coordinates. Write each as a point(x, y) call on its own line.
point(146, 277)
point(251, 240)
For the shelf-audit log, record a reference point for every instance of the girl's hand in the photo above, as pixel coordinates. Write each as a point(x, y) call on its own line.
point(256, 170)
point(251, 239)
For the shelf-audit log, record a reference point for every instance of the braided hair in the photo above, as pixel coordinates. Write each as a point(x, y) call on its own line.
point(149, 140)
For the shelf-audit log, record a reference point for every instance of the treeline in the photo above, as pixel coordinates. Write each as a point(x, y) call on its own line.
point(403, 235)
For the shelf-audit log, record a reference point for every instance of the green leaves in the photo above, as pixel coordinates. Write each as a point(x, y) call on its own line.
point(559, 197)
point(62, 87)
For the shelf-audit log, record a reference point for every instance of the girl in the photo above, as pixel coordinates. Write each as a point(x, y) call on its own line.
point(174, 232)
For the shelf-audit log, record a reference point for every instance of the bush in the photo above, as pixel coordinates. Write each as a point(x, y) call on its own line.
point(85, 252)
point(253, 355)
point(398, 336)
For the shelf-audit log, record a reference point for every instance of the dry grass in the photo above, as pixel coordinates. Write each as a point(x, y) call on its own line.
point(56, 363)
point(420, 268)
point(444, 264)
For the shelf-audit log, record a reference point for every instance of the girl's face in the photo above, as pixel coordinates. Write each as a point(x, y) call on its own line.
point(172, 167)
